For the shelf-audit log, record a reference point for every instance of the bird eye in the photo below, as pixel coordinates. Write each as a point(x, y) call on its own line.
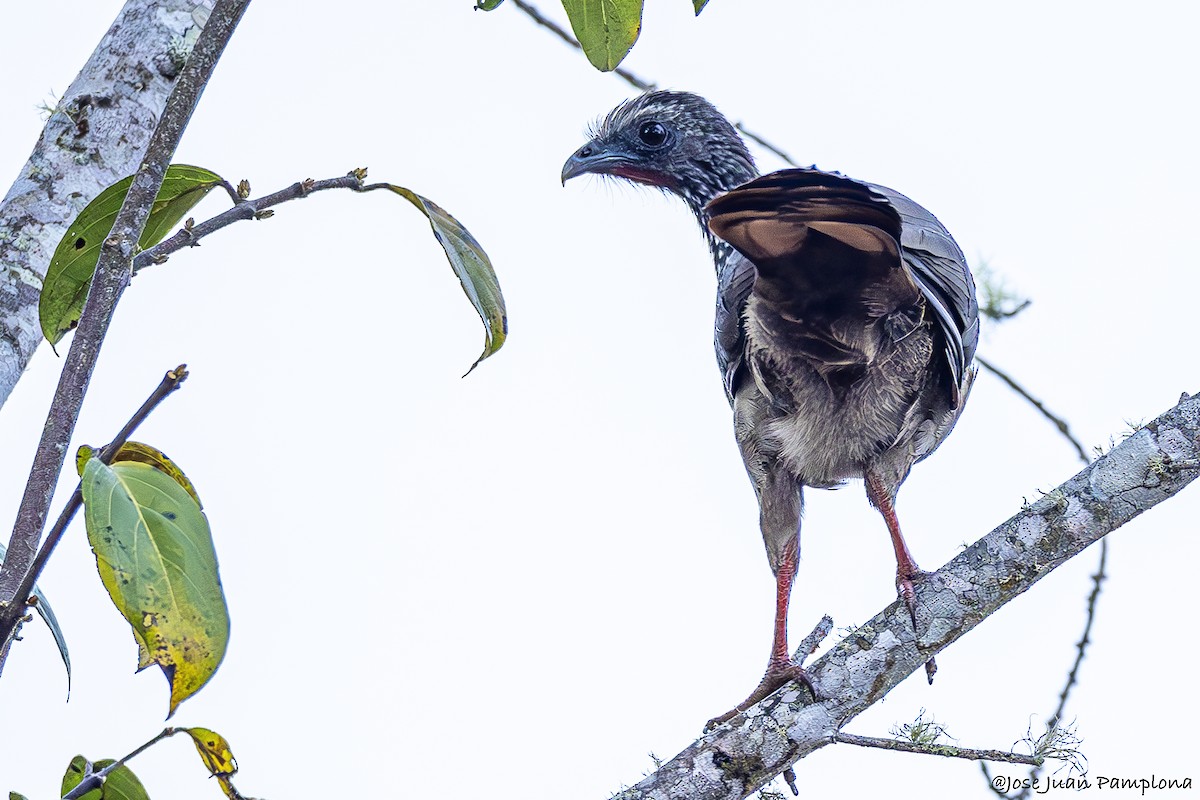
point(653, 134)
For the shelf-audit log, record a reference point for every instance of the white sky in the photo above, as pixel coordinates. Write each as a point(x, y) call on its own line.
point(519, 584)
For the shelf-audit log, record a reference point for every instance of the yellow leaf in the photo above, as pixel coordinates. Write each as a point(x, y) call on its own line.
point(214, 751)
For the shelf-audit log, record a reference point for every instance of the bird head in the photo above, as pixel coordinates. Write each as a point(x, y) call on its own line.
point(675, 141)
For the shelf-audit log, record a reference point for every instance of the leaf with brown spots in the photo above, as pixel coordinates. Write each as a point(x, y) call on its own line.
point(155, 555)
point(69, 276)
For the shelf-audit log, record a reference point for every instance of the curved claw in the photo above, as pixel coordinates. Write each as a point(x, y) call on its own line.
point(908, 593)
point(777, 675)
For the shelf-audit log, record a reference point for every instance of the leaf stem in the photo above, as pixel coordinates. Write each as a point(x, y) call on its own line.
point(96, 779)
point(1058, 422)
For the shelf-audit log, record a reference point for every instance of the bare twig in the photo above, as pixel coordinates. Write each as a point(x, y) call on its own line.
point(96, 779)
point(808, 645)
point(761, 142)
point(552, 26)
point(1097, 578)
point(1081, 646)
point(1057, 421)
point(946, 750)
point(1054, 725)
point(637, 82)
point(112, 276)
point(170, 382)
point(1000, 313)
point(245, 209)
point(997, 302)
point(789, 777)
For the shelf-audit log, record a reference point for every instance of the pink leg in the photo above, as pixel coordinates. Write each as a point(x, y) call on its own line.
point(780, 667)
point(906, 565)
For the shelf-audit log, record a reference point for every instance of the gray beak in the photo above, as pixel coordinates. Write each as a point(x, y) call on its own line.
point(592, 157)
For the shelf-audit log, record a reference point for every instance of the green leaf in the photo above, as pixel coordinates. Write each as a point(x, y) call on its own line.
point(155, 555)
point(145, 454)
point(472, 267)
point(699, 5)
point(488, 5)
point(120, 784)
point(16, 796)
point(47, 615)
point(607, 29)
point(69, 275)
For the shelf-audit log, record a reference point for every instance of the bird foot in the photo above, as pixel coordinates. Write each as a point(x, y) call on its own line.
point(908, 593)
point(778, 673)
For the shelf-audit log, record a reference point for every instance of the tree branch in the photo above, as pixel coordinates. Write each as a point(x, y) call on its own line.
point(112, 276)
point(1151, 465)
point(244, 209)
point(944, 750)
point(96, 135)
point(1057, 421)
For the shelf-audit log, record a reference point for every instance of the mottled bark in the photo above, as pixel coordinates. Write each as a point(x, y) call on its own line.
point(96, 136)
point(736, 759)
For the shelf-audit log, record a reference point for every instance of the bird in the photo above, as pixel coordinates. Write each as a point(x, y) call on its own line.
point(846, 324)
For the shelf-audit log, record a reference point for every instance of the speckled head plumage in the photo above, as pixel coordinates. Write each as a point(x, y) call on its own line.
point(676, 141)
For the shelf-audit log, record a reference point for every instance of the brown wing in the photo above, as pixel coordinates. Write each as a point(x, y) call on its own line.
point(830, 252)
point(826, 253)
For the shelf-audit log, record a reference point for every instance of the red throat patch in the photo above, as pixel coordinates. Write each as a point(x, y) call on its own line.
point(648, 177)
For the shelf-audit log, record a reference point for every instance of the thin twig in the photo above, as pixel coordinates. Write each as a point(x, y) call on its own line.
point(789, 777)
point(96, 779)
point(244, 210)
point(749, 134)
point(949, 751)
point(809, 644)
point(1057, 421)
point(637, 82)
point(170, 382)
point(1055, 720)
point(112, 275)
point(1000, 314)
point(1097, 578)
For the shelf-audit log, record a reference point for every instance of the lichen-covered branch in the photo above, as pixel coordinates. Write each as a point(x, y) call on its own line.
point(944, 750)
point(96, 135)
point(1154, 463)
